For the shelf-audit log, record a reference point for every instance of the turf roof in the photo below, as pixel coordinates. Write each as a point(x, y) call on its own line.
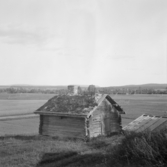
point(76, 104)
point(70, 104)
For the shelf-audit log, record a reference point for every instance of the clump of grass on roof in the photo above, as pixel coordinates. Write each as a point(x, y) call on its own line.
point(68, 104)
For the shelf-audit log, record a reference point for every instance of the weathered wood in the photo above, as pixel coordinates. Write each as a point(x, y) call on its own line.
point(63, 126)
point(49, 118)
point(40, 124)
point(62, 129)
point(64, 135)
point(103, 119)
point(160, 124)
point(53, 132)
point(57, 132)
point(95, 126)
point(83, 115)
point(66, 122)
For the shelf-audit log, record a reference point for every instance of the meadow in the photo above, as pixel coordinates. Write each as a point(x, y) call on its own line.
point(136, 105)
point(30, 150)
point(16, 104)
point(128, 150)
point(133, 105)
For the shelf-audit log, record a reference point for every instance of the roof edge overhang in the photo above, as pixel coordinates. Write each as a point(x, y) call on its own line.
point(60, 114)
point(116, 106)
point(157, 116)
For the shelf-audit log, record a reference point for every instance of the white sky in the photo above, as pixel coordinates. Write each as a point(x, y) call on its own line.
point(101, 42)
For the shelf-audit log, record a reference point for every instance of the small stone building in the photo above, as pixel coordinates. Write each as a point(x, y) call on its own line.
point(80, 116)
point(72, 90)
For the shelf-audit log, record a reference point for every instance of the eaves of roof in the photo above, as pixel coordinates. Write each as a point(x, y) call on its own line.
point(60, 114)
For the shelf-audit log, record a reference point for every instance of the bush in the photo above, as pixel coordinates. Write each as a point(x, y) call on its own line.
point(141, 149)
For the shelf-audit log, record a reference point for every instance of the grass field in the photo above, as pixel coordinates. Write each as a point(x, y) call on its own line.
point(134, 105)
point(12, 104)
point(129, 150)
point(40, 151)
point(24, 126)
point(25, 96)
point(20, 104)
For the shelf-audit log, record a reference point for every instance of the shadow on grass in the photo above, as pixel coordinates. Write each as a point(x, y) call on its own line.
point(71, 159)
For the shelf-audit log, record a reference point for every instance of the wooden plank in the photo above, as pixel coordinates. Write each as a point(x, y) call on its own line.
point(148, 125)
point(47, 113)
point(65, 133)
point(160, 125)
point(134, 125)
point(63, 127)
point(96, 123)
point(95, 126)
point(99, 132)
point(53, 132)
point(65, 122)
point(40, 124)
point(95, 134)
point(60, 129)
point(97, 129)
point(62, 120)
point(66, 125)
point(142, 124)
point(65, 117)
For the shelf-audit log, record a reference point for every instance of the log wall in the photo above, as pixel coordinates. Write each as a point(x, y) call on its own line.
point(105, 120)
point(62, 126)
point(95, 122)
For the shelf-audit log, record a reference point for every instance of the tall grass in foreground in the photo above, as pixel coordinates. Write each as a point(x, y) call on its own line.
point(140, 149)
point(128, 150)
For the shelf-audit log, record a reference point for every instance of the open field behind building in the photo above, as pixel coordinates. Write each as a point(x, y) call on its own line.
point(27, 103)
point(135, 105)
point(22, 146)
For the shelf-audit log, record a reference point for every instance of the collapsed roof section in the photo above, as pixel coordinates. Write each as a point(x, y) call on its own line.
point(147, 123)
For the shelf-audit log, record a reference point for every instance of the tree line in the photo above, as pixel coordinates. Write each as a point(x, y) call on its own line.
point(98, 90)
